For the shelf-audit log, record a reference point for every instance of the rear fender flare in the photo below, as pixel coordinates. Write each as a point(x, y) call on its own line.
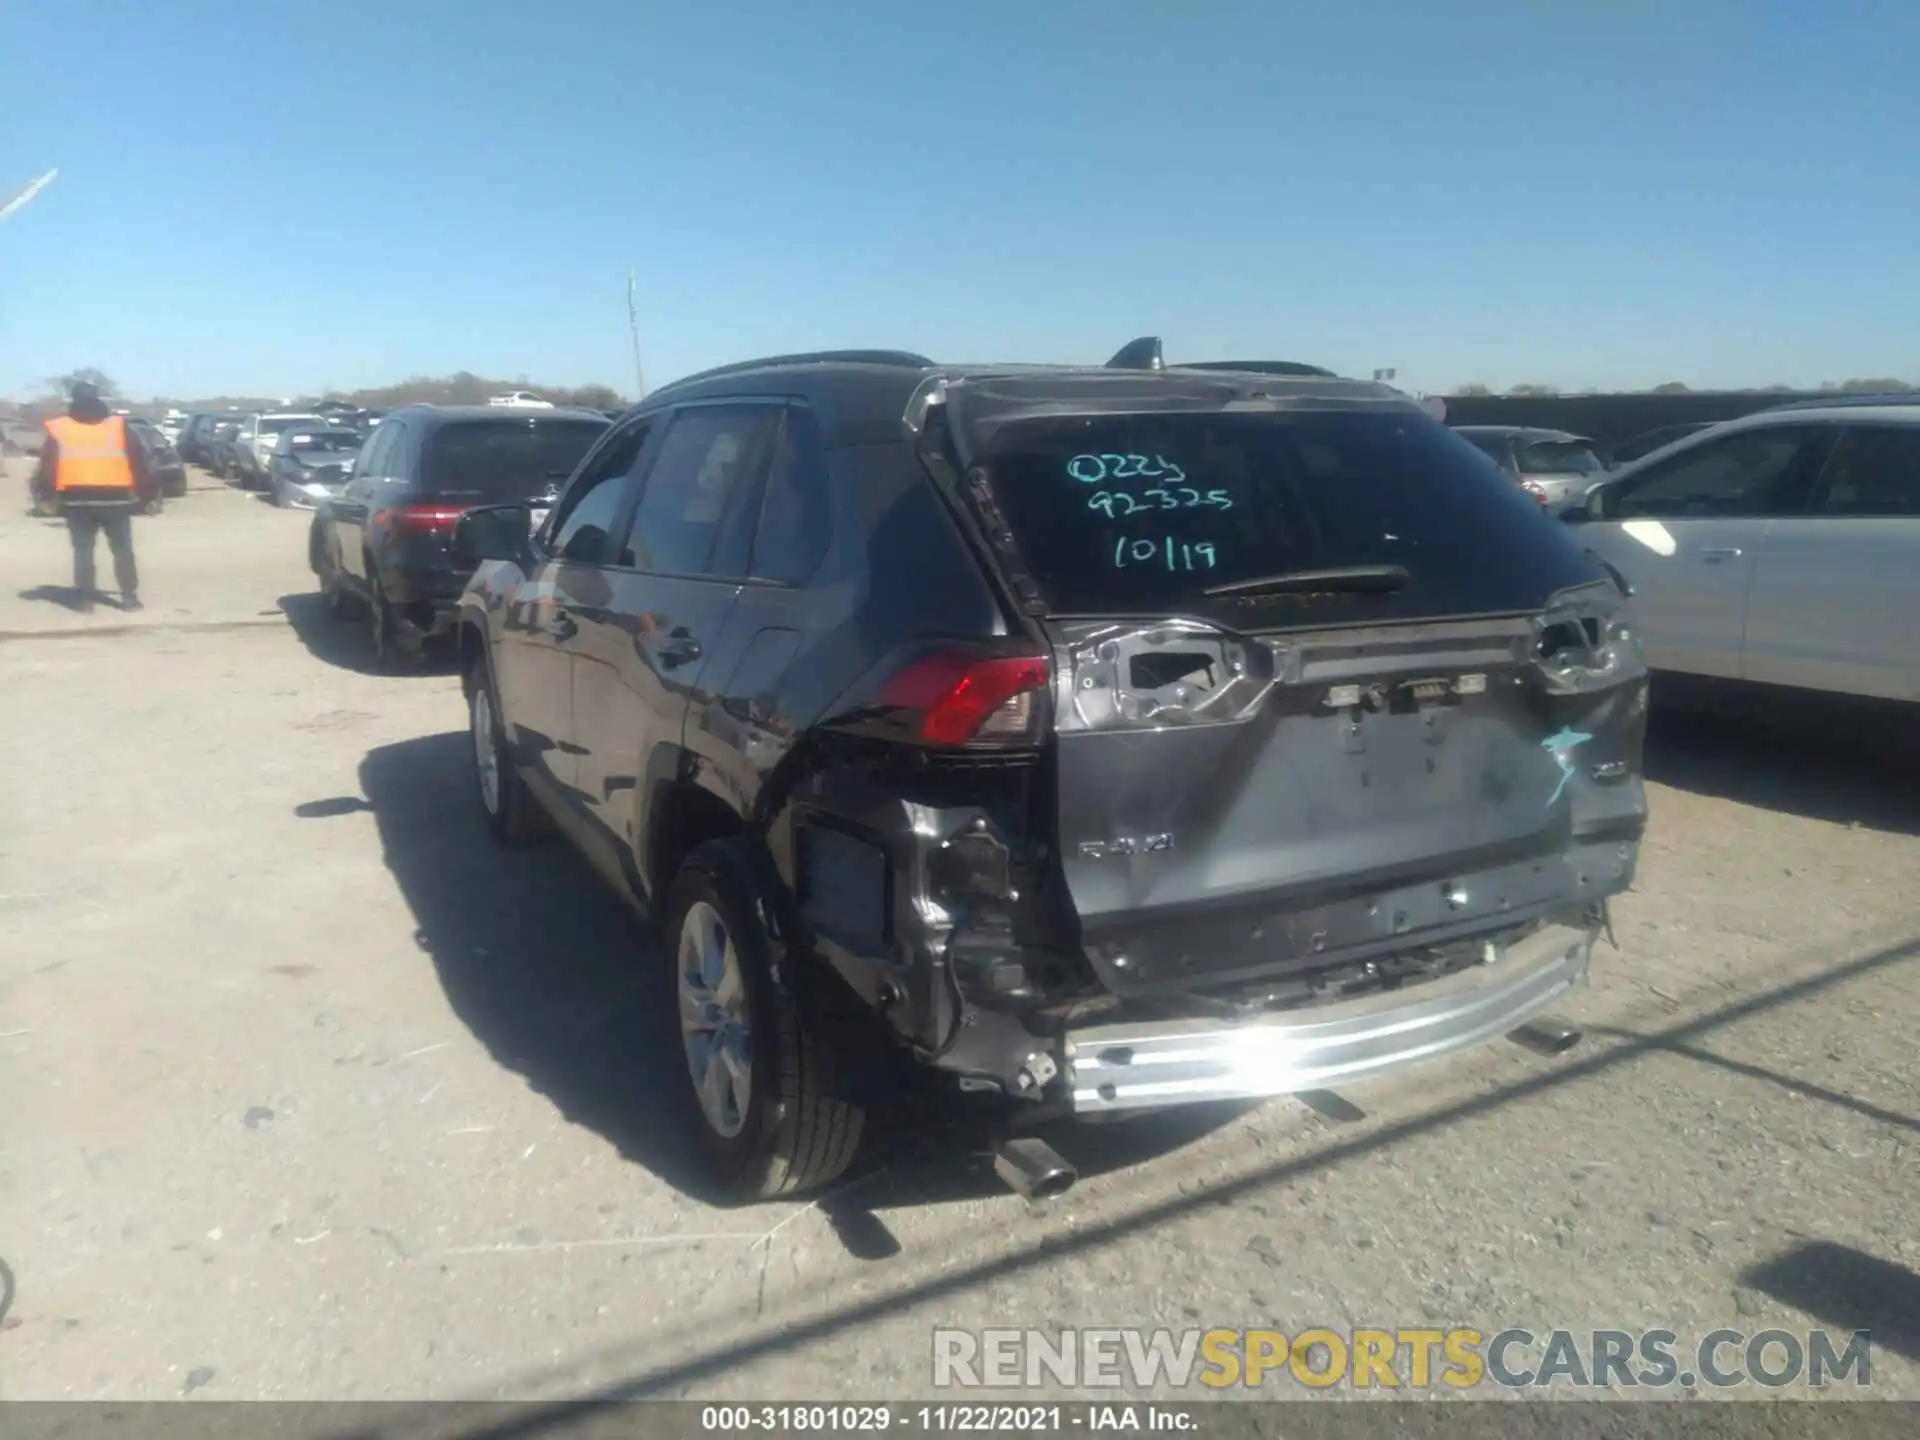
point(677, 805)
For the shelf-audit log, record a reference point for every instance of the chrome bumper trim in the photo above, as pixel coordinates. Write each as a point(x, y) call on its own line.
point(1181, 1062)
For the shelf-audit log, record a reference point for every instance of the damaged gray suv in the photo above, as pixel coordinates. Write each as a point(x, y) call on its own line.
point(1106, 738)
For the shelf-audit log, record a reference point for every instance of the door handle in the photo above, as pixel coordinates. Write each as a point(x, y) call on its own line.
point(678, 648)
point(1714, 557)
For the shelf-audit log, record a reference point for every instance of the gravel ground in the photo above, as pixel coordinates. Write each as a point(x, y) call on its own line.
point(310, 1092)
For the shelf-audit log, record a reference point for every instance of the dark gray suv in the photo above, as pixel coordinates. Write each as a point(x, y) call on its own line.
point(1104, 738)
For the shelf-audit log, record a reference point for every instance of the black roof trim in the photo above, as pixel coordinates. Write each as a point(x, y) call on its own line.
point(1260, 367)
point(904, 359)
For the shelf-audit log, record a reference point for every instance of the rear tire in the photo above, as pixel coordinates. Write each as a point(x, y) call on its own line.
point(336, 599)
point(506, 802)
point(789, 1132)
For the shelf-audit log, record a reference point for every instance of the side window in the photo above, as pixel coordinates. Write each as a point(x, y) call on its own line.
point(703, 472)
point(795, 520)
point(586, 512)
point(1874, 471)
point(374, 457)
point(1753, 473)
point(397, 464)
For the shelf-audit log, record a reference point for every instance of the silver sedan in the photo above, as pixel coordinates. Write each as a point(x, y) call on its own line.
point(312, 465)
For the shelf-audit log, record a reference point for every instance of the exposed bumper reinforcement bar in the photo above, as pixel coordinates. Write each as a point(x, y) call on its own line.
point(1148, 1064)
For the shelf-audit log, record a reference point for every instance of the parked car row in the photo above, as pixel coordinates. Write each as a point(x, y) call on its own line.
point(162, 458)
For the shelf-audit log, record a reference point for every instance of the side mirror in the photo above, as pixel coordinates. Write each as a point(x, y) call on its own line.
point(493, 532)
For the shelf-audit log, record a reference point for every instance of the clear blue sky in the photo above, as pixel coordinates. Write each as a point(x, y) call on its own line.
point(343, 194)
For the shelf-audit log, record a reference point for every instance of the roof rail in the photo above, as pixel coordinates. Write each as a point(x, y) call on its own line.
point(905, 359)
point(1893, 397)
point(1141, 354)
point(1259, 367)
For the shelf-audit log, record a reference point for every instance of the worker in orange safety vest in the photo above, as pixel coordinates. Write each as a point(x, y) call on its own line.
point(92, 467)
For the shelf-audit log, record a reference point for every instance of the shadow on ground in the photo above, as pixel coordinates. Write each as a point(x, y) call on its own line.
point(67, 597)
point(348, 643)
point(563, 984)
point(1819, 761)
point(1848, 1290)
point(62, 595)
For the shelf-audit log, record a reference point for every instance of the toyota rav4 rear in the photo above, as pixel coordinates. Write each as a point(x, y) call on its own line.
point(1114, 738)
point(1308, 751)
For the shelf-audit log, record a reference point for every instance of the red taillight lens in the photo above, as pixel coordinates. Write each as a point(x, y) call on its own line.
point(420, 519)
point(963, 698)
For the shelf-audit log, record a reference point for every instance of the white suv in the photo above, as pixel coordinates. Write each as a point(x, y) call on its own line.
point(524, 398)
point(253, 446)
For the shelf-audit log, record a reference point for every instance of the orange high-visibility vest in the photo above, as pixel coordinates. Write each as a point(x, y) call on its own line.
point(92, 456)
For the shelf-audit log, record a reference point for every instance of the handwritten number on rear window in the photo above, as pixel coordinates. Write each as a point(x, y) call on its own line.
point(1118, 505)
point(1096, 469)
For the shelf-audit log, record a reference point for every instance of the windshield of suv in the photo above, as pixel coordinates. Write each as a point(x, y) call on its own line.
point(1557, 457)
point(1117, 513)
point(505, 459)
point(274, 424)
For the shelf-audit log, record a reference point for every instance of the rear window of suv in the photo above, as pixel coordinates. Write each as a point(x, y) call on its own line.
point(506, 459)
point(1113, 514)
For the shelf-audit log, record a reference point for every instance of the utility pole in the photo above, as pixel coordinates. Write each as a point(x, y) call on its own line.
point(25, 193)
point(633, 329)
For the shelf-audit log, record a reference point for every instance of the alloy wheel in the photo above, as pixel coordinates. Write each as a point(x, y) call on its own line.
point(486, 754)
point(714, 1019)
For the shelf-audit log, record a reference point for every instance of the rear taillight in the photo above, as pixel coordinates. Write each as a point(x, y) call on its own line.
point(966, 699)
point(419, 519)
point(1535, 489)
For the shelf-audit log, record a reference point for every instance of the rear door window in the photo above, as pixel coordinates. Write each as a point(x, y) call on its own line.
point(692, 516)
point(1157, 512)
point(1875, 470)
point(795, 521)
point(487, 462)
point(1749, 474)
point(373, 460)
point(585, 518)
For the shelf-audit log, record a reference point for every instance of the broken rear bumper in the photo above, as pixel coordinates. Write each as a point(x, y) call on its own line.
point(1178, 1062)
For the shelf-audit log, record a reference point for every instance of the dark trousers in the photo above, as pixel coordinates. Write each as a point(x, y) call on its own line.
point(116, 522)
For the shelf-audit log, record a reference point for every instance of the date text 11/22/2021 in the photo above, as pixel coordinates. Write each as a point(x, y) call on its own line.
point(1169, 491)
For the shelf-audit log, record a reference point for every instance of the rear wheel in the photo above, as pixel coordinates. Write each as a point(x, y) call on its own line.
point(511, 812)
point(758, 1077)
point(340, 602)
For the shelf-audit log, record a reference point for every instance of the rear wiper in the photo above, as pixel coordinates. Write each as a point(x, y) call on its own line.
point(1365, 579)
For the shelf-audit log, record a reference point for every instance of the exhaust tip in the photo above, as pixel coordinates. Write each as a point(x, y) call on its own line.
point(1033, 1169)
point(1548, 1035)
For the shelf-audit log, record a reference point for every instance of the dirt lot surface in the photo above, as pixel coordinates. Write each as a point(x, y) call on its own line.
point(306, 1090)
